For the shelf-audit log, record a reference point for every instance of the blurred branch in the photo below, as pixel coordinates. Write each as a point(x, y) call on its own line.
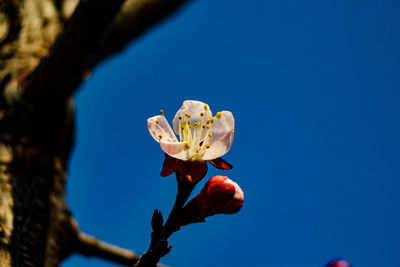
point(97, 29)
point(91, 246)
point(135, 18)
point(61, 71)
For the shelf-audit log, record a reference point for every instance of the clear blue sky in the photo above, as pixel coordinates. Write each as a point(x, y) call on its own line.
point(315, 90)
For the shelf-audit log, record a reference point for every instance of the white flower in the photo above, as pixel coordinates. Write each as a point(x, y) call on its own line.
point(201, 136)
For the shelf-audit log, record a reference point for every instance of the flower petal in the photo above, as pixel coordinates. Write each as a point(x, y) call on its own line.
point(221, 136)
point(239, 195)
point(176, 150)
point(219, 147)
point(161, 128)
point(194, 108)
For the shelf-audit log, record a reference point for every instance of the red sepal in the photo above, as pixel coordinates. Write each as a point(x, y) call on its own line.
point(221, 164)
point(193, 171)
point(168, 166)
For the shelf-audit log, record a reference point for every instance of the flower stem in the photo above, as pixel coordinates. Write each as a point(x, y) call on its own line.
point(185, 188)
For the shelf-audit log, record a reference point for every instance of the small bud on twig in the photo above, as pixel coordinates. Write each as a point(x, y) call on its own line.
point(219, 195)
point(157, 221)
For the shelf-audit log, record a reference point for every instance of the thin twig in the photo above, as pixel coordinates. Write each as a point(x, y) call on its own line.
point(91, 246)
point(159, 245)
point(185, 188)
point(88, 245)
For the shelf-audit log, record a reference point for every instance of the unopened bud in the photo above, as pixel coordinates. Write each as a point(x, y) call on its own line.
point(338, 263)
point(219, 195)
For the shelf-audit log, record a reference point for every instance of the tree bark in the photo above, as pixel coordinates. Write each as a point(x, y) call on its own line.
point(46, 48)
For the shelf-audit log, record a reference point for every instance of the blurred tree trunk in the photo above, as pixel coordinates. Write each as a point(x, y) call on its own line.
point(46, 48)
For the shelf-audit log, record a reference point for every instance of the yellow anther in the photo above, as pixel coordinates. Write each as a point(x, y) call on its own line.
point(203, 126)
point(180, 117)
point(218, 115)
point(207, 145)
point(209, 135)
point(157, 122)
point(187, 115)
point(202, 114)
point(187, 145)
point(160, 136)
point(183, 128)
point(161, 111)
point(208, 126)
point(205, 107)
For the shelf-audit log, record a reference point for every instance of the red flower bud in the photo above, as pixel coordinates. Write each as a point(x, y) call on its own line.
point(219, 195)
point(338, 263)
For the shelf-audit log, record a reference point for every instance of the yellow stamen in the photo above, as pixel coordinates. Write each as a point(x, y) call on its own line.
point(180, 117)
point(187, 145)
point(205, 107)
point(160, 136)
point(161, 111)
point(218, 115)
point(202, 114)
point(157, 122)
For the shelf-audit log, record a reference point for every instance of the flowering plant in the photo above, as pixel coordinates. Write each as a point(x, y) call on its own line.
point(202, 138)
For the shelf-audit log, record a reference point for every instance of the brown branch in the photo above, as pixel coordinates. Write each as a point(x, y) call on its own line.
point(88, 245)
point(60, 73)
point(93, 33)
point(91, 246)
point(136, 17)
